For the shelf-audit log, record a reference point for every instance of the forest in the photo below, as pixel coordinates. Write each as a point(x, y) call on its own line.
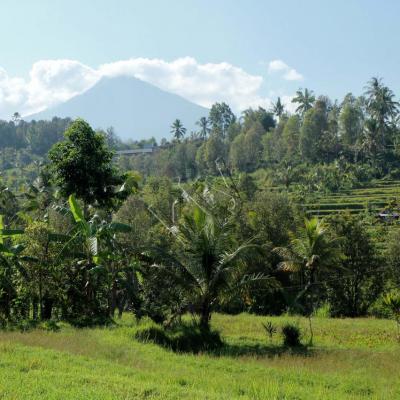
point(211, 221)
point(255, 258)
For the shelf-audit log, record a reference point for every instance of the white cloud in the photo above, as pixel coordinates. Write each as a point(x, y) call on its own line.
point(288, 73)
point(50, 82)
point(203, 84)
point(54, 81)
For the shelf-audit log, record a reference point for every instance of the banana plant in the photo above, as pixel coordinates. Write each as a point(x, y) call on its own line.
point(9, 257)
point(102, 253)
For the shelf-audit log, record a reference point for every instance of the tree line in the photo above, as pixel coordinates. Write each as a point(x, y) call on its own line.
point(85, 242)
point(357, 138)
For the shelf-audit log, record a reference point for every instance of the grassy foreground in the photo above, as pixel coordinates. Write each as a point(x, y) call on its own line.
point(352, 359)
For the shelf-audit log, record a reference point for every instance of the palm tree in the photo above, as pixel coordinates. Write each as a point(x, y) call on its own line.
point(305, 100)
point(311, 252)
point(278, 108)
point(206, 262)
point(178, 130)
point(203, 123)
point(381, 105)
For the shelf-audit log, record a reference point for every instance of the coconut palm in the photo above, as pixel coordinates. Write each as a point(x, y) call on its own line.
point(278, 108)
point(381, 105)
point(311, 252)
point(305, 100)
point(203, 123)
point(178, 130)
point(207, 263)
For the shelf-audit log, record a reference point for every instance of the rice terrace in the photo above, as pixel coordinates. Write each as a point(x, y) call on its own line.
point(199, 200)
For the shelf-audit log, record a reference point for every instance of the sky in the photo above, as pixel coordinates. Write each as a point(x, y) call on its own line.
point(244, 52)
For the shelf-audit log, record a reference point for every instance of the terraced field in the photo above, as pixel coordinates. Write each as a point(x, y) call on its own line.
point(371, 199)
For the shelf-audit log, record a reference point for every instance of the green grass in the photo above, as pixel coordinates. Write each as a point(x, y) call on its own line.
point(373, 198)
point(352, 359)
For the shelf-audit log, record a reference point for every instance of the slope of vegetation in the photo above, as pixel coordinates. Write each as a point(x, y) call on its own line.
point(372, 198)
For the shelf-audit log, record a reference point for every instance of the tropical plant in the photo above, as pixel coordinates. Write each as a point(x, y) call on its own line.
point(305, 100)
point(291, 335)
point(9, 259)
point(206, 263)
point(392, 302)
point(311, 252)
point(178, 130)
point(270, 329)
point(381, 104)
point(278, 108)
point(100, 254)
point(203, 124)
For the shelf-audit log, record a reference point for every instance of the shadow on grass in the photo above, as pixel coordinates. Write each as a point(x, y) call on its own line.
point(189, 338)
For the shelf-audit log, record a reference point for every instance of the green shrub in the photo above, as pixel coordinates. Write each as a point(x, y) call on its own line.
point(324, 311)
point(50, 325)
point(269, 328)
point(379, 310)
point(291, 335)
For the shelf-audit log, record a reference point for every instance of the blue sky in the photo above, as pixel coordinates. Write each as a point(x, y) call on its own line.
point(331, 47)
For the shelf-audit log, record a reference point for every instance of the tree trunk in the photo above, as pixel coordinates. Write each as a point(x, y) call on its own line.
point(47, 308)
point(205, 316)
point(311, 329)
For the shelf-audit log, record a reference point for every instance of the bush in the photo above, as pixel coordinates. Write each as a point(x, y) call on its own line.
point(379, 309)
point(291, 335)
point(269, 328)
point(324, 311)
point(50, 325)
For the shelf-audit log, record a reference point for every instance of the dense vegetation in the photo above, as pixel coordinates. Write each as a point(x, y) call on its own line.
point(221, 220)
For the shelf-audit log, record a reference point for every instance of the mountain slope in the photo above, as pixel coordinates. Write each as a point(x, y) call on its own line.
point(136, 109)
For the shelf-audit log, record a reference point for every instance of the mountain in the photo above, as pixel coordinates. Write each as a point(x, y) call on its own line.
point(135, 109)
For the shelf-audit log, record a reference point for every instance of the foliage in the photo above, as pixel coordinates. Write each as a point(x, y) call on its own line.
point(270, 329)
point(81, 165)
point(291, 335)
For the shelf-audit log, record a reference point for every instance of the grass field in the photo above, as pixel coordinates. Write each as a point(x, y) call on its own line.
point(351, 359)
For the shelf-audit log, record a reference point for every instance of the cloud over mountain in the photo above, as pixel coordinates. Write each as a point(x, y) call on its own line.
point(51, 82)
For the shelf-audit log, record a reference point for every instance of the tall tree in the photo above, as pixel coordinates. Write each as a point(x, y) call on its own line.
point(305, 100)
point(221, 117)
point(203, 124)
point(381, 106)
point(258, 116)
point(313, 131)
point(278, 108)
point(353, 287)
point(350, 120)
point(178, 130)
point(82, 165)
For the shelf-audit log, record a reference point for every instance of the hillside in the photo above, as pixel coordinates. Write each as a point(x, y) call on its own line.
point(136, 110)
